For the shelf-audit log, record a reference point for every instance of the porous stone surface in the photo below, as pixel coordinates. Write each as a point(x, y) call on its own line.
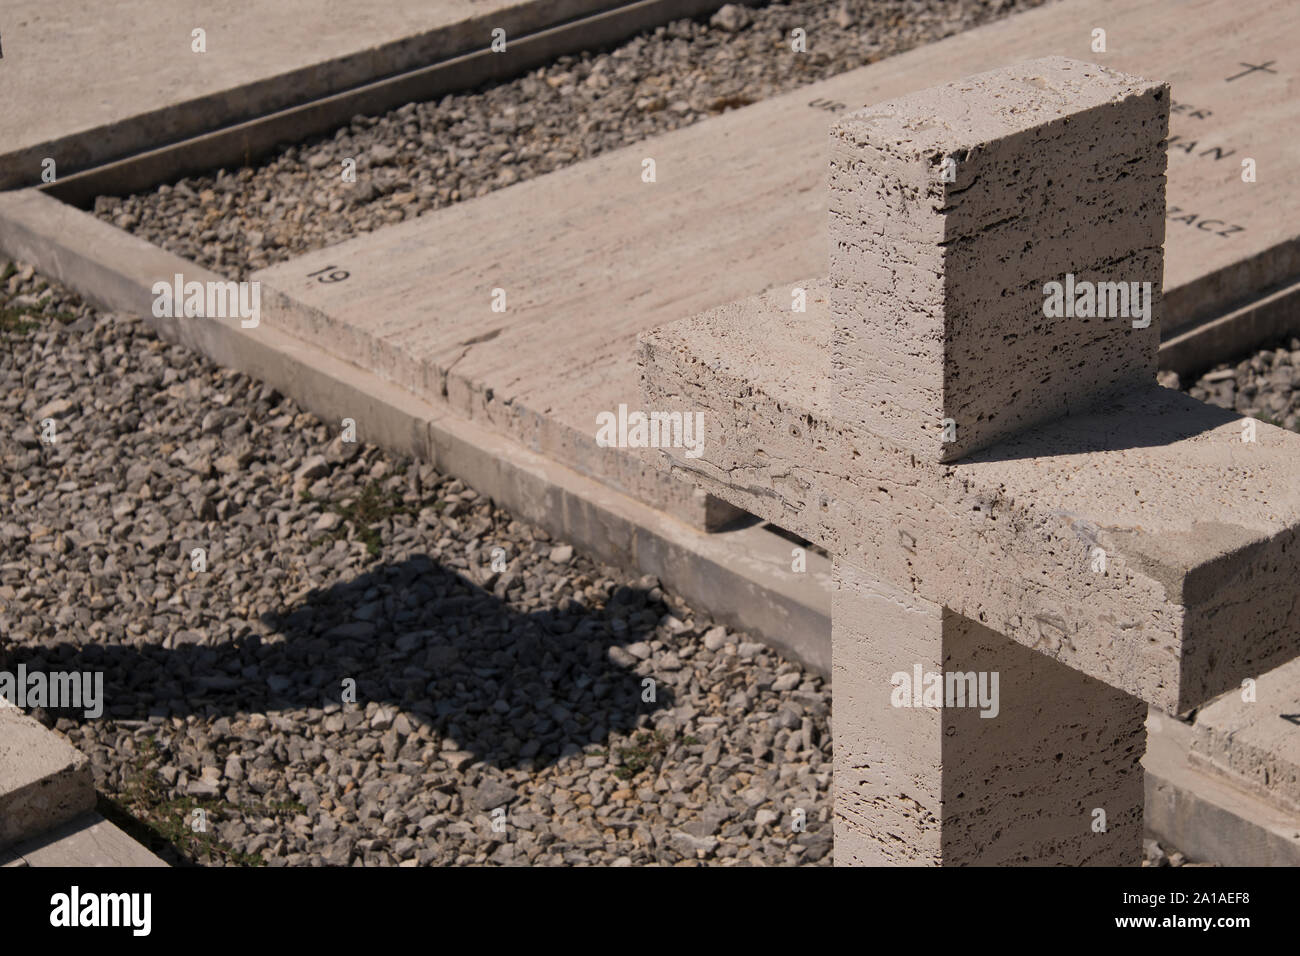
point(937, 286)
point(945, 785)
point(43, 780)
point(1191, 599)
point(1250, 737)
point(888, 781)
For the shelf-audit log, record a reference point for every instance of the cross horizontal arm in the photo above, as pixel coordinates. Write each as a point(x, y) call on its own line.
point(1194, 587)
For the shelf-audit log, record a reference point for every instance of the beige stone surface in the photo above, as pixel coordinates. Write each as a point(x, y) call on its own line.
point(1206, 814)
point(947, 786)
point(44, 781)
point(888, 762)
point(83, 82)
point(742, 576)
point(590, 255)
point(1255, 743)
point(1199, 530)
point(85, 841)
point(950, 211)
point(547, 384)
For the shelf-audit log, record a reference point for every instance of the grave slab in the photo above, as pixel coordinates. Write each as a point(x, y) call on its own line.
point(743, 576)
point(591, 255)
point(1255, 743)
point(150, 88)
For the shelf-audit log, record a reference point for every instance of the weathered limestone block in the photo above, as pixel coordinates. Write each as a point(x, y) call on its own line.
point(1251, 737)
point(1056, 168)
point(1051, 775)
point(1198, 528)
point(44, 781)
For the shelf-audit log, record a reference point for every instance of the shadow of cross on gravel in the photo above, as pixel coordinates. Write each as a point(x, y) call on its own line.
point(509, 688)
point(505, 686)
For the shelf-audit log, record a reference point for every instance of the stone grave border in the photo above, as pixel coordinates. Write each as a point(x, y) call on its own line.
point(253, 120)
point(48, 227)
point(47, 803)
point(1232, 331)
point(740, 576)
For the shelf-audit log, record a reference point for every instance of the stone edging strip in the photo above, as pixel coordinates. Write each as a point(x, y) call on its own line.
point(1205, 816)
point(242, 139)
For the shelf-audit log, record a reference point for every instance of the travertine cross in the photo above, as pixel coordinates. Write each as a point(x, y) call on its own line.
point(966, 417)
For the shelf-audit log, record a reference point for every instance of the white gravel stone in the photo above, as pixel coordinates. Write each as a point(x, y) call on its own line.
point(732, 17)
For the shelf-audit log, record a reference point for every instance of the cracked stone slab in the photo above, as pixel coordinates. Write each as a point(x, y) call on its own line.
point(1192, 532)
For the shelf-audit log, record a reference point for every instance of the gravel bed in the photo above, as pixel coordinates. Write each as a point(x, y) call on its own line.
point(518, 687)
point(1265, 386)
point(1154, 854)
point(424, 156)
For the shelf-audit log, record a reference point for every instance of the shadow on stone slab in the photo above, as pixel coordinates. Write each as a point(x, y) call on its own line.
point(1148, 417)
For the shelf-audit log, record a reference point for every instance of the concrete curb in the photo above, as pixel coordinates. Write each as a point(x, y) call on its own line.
point(1233, 335)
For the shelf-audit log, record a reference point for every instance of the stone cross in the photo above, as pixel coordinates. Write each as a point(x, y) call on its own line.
point(1032, 540)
